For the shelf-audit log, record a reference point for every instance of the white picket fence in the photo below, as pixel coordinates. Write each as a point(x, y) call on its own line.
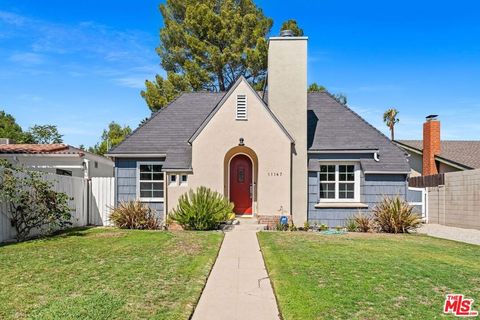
point(92, 200)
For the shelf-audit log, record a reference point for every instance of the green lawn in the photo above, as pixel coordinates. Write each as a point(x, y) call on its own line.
point(368, 276)
point(106, 274)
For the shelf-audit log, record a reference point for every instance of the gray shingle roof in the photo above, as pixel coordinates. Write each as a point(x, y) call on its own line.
point(334, 126)
point(168, 130)
point(331, 126)
point(463, 152)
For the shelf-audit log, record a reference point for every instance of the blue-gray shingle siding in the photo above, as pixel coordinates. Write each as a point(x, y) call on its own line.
point(372, 189)
point(126, 183)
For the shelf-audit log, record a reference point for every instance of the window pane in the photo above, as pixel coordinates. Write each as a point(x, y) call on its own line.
point(184, 178)
point(346, 191)
point(157, 186)
point(241, 175)
point(145, 194)
point(145, 186)
point(158, 194)
point(327, 190)
point(158, 176)
point(145, 176)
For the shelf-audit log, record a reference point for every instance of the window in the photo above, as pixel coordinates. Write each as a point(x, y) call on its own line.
point(95, 164)
point(150, 181)
point(173, 179)
point(241, 107)
point(339, 182)
point(64, 172)
point(184, 179)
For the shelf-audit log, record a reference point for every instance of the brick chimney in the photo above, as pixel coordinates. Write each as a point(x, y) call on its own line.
point(431, 144)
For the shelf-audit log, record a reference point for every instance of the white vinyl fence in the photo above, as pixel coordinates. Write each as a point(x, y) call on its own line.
point(102, 199)
point(92, 200)
point(417, 197)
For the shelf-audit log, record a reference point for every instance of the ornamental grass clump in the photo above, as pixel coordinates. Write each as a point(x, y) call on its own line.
point(202, 209)
point(395, 215)
point(363, 222)
point(135, 215)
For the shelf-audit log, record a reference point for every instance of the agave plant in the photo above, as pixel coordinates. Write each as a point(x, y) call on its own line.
point(395, 215)
point(202, 209)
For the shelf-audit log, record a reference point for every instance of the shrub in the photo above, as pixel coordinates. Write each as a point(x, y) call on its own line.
point(32, 202)
point(351, 225)
point(292, 226)
point(306, 226)
point(363, 223)
point(394, 215)
point(281, 226)
point(202, 209)
point(135, 215)
point(323, 227)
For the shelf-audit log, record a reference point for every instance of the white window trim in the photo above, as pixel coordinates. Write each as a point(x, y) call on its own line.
point(172, 183)
point(183, 184)
point(246, 108)
point(139, 163)
point(356, 186)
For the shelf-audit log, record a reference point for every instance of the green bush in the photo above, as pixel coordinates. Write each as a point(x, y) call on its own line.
point(306, 226)
point(32, 202)
point(394, 215)
point(202, 209)
point(135, 215)
point(351, 225)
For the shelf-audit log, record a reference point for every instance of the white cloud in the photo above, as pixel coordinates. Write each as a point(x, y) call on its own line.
point(132, 82)
point(11, 18)
point(27, 58)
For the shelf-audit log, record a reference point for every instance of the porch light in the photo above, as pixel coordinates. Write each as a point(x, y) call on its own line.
point(240, 142)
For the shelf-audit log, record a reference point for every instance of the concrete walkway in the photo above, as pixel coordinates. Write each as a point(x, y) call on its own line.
point(238, 286)
point(451, 233)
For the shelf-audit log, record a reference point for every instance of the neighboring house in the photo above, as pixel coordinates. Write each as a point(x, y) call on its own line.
point(301, 154)
point(432, 156)
point(56, 158)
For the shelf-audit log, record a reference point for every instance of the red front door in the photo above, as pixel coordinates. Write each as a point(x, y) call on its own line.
point(241, 184)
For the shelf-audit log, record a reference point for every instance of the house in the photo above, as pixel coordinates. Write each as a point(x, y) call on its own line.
point(281, 152)
point(432, 155)
point(56, 158)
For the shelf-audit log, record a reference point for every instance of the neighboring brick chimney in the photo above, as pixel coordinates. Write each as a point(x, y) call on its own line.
point(431, 144)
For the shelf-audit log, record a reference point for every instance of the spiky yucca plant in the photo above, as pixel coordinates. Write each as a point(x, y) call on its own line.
point(395, 215)
point(202, 209)
point(134, 215)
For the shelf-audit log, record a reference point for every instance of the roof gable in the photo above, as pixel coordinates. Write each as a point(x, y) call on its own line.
point(241, 79)
point(466, 153)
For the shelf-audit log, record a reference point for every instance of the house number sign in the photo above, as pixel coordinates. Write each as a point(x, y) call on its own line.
point(275, 174)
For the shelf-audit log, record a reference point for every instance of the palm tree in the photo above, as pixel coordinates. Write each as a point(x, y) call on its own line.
point(390, 119)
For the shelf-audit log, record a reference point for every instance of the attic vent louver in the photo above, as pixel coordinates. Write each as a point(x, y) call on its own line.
point(241, 107)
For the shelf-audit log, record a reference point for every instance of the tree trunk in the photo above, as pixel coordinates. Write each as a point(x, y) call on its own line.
point(221, 81)
point(392, 129)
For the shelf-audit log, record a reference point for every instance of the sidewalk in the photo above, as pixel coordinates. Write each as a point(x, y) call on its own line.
point(238, 286)
point(451, 233)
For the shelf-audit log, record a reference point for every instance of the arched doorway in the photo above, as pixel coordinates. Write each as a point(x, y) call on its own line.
point(241, 184)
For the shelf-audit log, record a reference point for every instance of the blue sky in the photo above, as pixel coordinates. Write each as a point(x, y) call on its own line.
point(82, 64)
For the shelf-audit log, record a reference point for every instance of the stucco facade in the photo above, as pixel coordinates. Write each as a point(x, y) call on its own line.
point(263, 139)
